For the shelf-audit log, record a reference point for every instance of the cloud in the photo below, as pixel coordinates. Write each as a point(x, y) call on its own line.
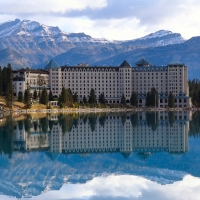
point(48, 6)
point(127, 187)
point(112, 19)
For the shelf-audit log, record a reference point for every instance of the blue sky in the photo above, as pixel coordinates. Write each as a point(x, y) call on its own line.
point(111, 19)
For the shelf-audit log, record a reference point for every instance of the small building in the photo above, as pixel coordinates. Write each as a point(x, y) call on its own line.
point(24, 78)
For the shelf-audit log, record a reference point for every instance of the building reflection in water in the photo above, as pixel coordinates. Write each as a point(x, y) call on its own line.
point(141, 132)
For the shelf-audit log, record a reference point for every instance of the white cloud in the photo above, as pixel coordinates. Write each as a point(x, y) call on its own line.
point(111, 19)
point(48, 6)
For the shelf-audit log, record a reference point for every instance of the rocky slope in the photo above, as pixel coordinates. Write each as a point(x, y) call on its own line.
point(32, 44)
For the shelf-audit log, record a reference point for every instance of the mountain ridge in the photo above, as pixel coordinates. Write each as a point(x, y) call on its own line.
point(37, 43)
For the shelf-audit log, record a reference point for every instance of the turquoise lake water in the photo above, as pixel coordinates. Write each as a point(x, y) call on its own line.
point(153, 155)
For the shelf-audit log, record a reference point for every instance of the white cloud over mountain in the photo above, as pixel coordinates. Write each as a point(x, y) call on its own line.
point(112, 19)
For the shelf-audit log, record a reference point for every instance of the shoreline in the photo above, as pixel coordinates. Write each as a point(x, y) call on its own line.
point(96, 110)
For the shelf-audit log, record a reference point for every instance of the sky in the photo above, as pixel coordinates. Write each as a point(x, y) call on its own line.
point(110, 19)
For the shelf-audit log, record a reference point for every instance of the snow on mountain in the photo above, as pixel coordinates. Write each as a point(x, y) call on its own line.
point(35, 29)
point(37, 43)
point(159, 34)
point(161, 38)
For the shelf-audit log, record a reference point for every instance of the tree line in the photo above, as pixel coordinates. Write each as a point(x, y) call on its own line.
point(194, 91)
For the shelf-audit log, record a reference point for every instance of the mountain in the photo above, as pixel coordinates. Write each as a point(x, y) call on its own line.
point(37, 43)
point(187, 52)
point(32, 44)
point(159, 38)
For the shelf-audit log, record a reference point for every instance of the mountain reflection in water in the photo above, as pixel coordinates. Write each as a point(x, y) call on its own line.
point(42, 154)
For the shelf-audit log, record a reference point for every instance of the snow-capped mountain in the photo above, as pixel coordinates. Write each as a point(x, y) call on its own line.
point(33, 44)
point(34, 29)
point(159, 38)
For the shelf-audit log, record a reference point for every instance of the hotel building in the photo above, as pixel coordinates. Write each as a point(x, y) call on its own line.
point(113, 81)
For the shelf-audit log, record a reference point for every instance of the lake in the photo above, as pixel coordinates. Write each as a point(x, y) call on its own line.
point(139, 155)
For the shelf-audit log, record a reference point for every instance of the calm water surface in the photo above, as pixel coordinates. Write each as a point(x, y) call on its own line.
point(100, 156)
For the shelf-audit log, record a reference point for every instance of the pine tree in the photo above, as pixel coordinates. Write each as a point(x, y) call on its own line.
point(134, 99)
point(35, 94)
point(102, 98)
point(154, 97)
point(1, 81)
point(148, 99)
point(41, 83)
point(92, 97)
point(123, 99)
point(44, 97)
point(75, 98)
point(84, 99)
point(27, 98)
point(9, 93)
point(20, 96)
point(62, 100)
point(69, 97)
point(51, 98)
point(171, 102)
point(6, 76)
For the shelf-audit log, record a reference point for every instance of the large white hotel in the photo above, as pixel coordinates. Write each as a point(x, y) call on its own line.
point(113, 81)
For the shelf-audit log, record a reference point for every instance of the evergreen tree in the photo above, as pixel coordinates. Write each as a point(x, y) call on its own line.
point(123, 99)
point(102, 98)
point(62, 100)
point(35, 94)
point(44, 97)
point(27, 98)
point(154, 97)
point(41, 83)
point(148, 99)
point(75, 98)
point(20, 96)
point(4, 80)
point(6, 76)
point(84, 100)
point(9, 93)
point(92, 97)
point(134, 99)
point(69, 97)
point(171, 102)
point(1, 81)
point(70, 92)
point(51, 98)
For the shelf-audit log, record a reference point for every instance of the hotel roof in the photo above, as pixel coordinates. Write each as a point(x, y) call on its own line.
point(52, 65)
point(142, 62)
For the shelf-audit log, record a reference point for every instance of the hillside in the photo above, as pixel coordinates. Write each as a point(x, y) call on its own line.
point(31, 44)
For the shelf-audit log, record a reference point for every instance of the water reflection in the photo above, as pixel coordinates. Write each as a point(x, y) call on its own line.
point(40, 154)
point(144, 133)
